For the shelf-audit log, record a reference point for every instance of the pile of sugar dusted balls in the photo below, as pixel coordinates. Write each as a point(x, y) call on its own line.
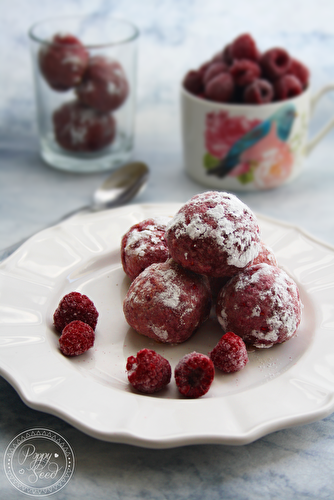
point(209, 256)
point(87, 122)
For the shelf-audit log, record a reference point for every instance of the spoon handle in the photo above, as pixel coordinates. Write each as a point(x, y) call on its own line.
point(7, 251)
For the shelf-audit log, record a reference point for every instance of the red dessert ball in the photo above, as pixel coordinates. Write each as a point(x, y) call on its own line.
point(194, 375)
point(148, 372)
point(63, 61)
point(214, 234)
point(167, 302)
point(265, 256)
point(104, 85)
point(144, 244)
point(75, 306)
point(77, 338)
point(261, 304)
point(83, 129)
point(230, 354)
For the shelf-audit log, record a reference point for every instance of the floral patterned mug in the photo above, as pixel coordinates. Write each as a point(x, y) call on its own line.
point(242, 147)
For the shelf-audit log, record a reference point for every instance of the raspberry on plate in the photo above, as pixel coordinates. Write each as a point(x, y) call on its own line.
point(83, 129)
point(194, 375)
point(167, 302)
point(275, 63)
point(75, 306)
point(77, 338)
point(230, 354)
point(144, 244)
point(63, 62)
point(104, 85)
point(261, 304)
point(220, 88)
point(148, 372)
point(260, 91)
point(287, 86)
point(265, 256)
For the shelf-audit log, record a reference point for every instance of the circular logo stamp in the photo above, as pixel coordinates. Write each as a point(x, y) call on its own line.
point(39, 462)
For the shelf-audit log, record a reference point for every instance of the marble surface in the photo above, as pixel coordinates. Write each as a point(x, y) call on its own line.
point(295, 463)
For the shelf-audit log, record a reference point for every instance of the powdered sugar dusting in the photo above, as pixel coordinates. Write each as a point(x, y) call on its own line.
point(278, 305)
point(141, 240)
point(227, 221)
point(167, 303)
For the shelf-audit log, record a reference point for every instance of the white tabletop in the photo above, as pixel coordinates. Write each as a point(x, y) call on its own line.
point(174, 37)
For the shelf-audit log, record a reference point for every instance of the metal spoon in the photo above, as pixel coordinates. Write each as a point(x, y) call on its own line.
point(119, 188)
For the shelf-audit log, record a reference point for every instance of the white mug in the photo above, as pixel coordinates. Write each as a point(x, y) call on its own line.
point(243, 147)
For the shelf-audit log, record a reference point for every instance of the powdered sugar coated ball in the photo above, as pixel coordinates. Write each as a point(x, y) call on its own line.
point(63, 61)
point(144, 244)
point(265, 256)
point(261, 304)
point(167, 302)
point(104, 85)
point(214, 234)
point(79, 128)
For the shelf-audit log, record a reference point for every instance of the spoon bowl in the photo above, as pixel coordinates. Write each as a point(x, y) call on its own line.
point(120, 187)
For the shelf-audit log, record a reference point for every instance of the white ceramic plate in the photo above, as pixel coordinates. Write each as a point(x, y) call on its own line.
point(286, 385)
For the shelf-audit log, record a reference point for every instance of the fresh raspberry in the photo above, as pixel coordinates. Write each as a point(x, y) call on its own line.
point(258, 92)
point(286, 87)
point(230, 354)
point(203, 67)
point(75, 306)
point(77, 338)
point(194, 375)
point(226, 54)
point(244, 71)
point(244, 47)
point(275, 63)
point(218, 58)
point(220, 88)
point(193, 82)
point(63, 62)
point(149, 372)
point(300, 71)
point(214, 69)
point(265, 256)
point(104, 85)
point(80, 128)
